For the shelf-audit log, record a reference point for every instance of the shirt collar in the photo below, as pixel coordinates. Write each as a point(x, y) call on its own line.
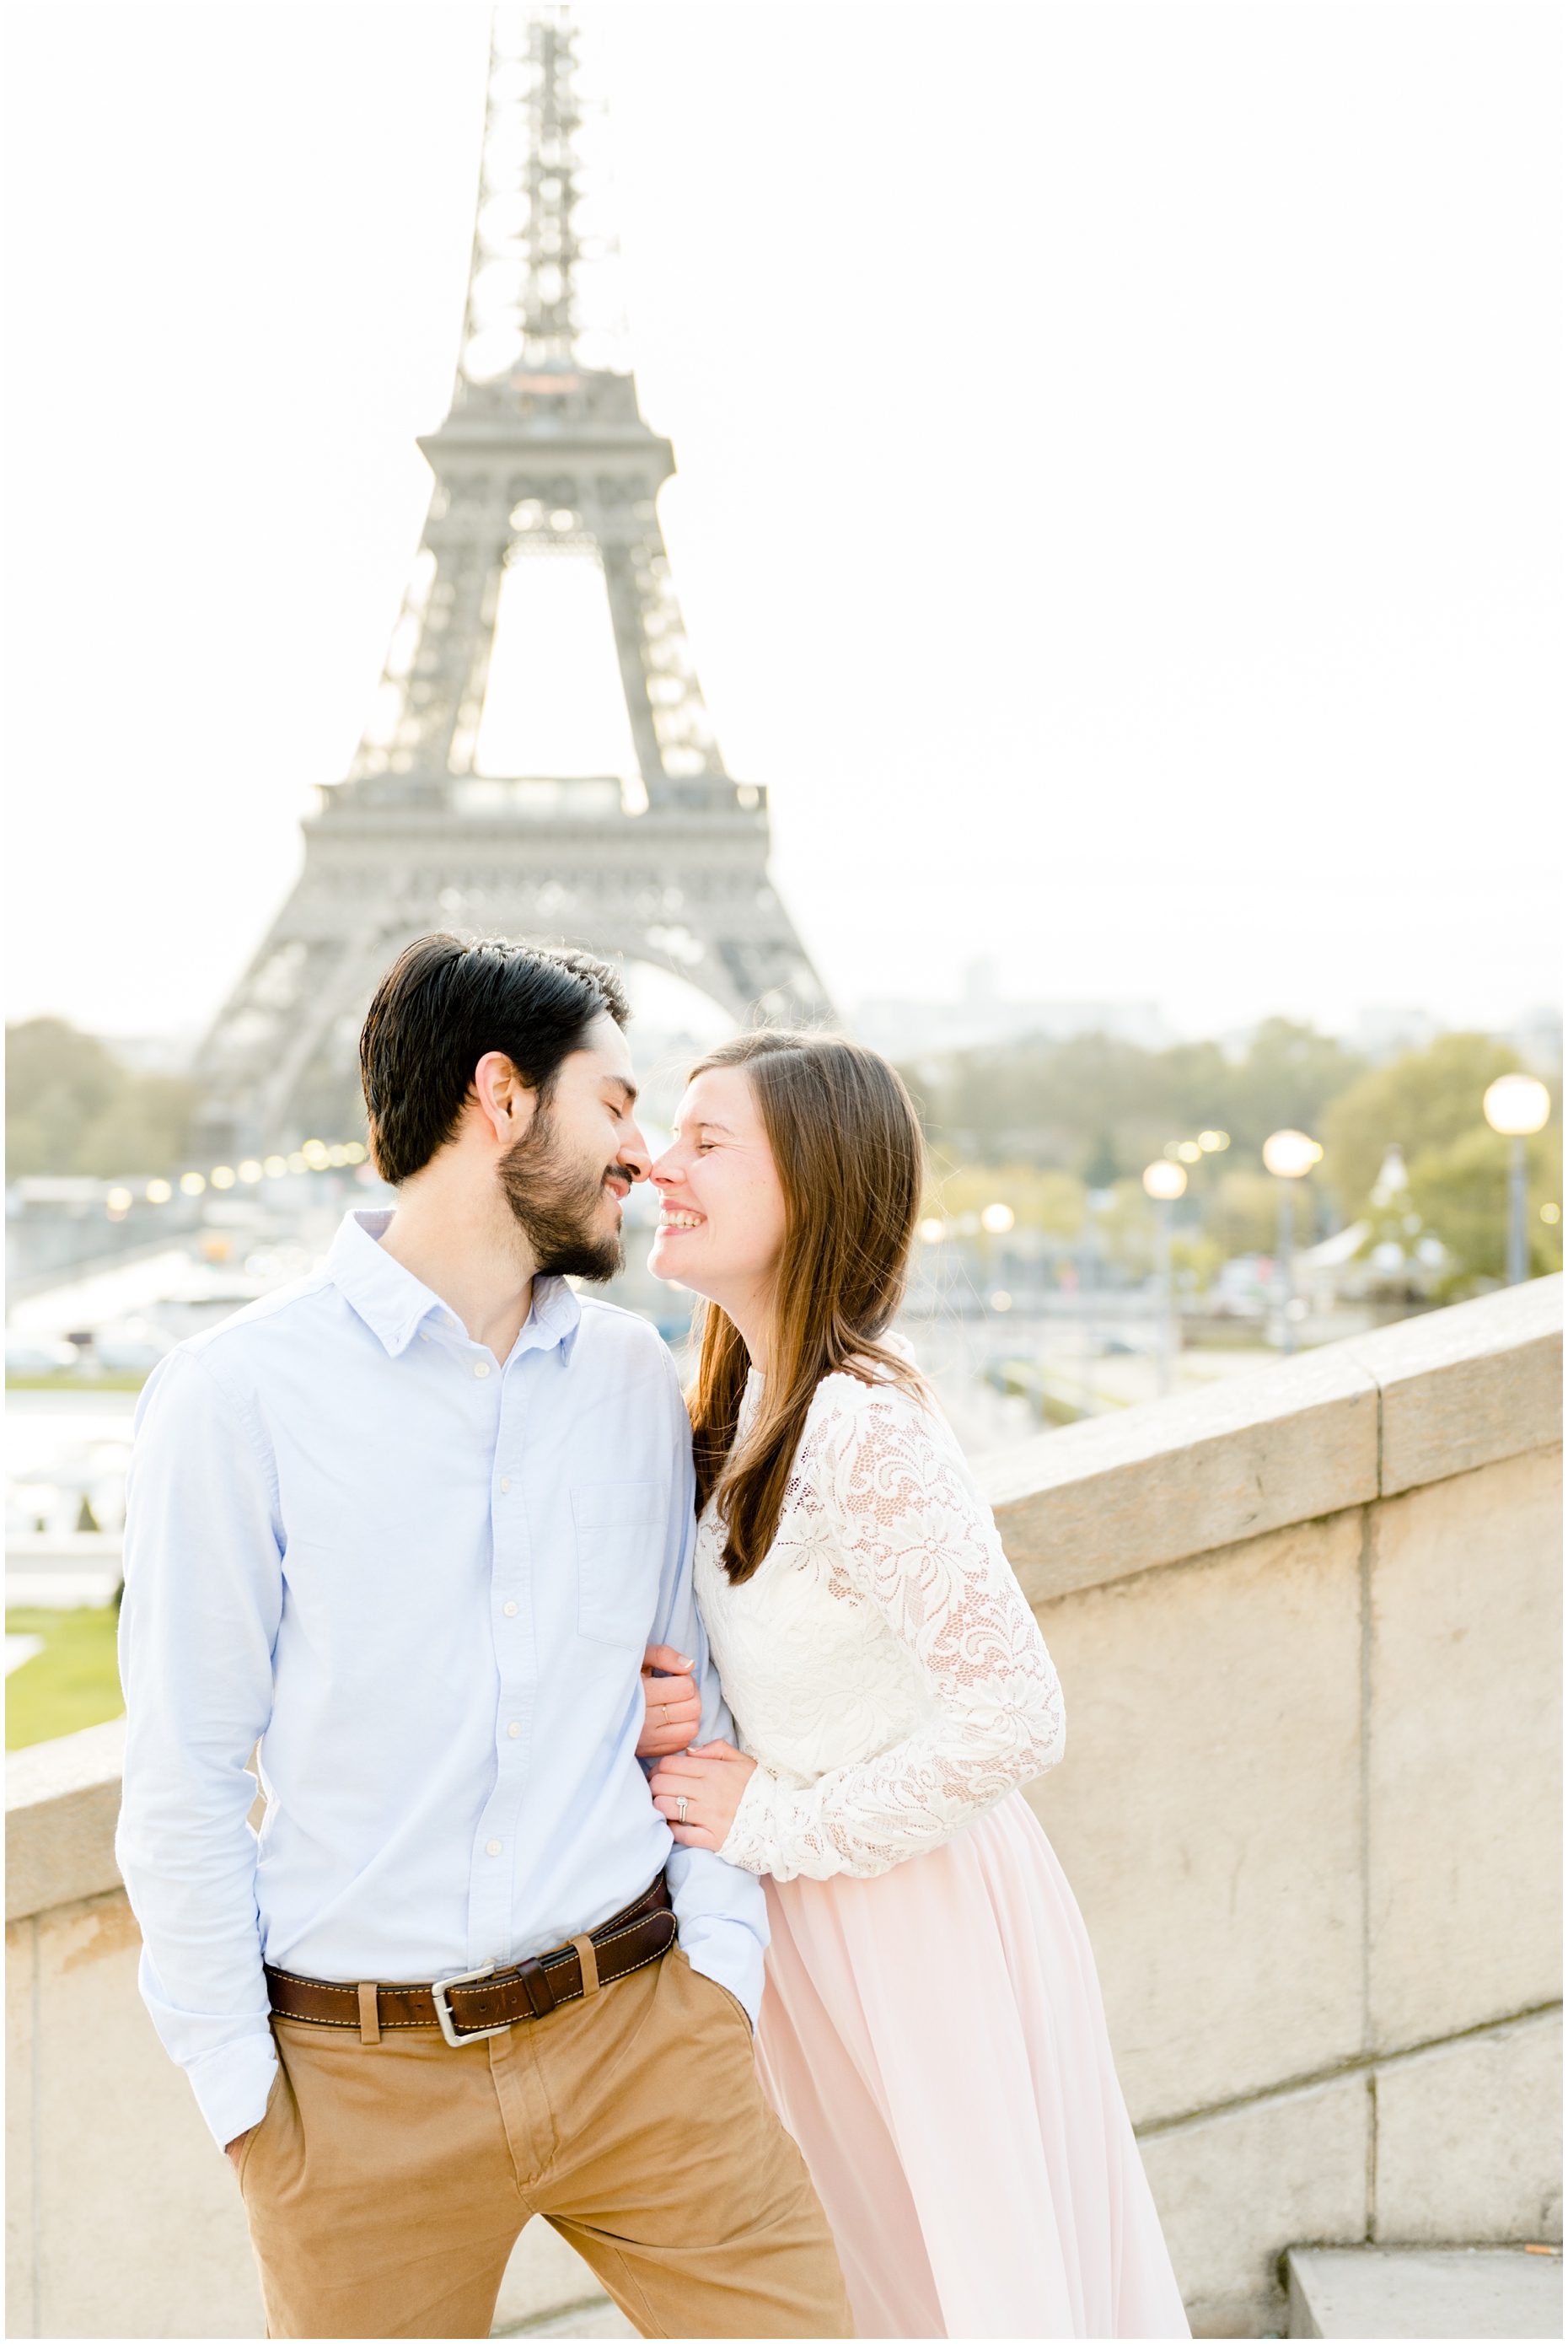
point(393, 1303)
point(554, 1317)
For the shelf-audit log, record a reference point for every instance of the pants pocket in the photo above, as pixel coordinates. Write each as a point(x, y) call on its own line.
point(257, 2130)
point(711, 1986)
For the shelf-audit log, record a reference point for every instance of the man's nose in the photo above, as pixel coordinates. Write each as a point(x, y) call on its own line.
point(635, 1155)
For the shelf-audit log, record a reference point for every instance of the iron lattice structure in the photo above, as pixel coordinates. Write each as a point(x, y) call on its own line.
point(542, 452)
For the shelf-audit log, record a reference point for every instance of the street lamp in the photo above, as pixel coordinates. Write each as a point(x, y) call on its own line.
point(1164, 1181)
point(1289, 1156)
point(1516, 1105)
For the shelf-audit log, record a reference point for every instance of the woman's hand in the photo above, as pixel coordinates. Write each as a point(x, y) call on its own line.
point(672, 1705)
point(706, 1787)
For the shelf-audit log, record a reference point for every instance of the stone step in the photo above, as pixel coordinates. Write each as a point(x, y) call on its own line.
point(1427, 2291)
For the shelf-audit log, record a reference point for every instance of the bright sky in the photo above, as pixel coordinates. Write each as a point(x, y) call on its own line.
point(1120, 507)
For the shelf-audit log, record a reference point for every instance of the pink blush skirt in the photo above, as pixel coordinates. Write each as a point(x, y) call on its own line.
point(934, 2040)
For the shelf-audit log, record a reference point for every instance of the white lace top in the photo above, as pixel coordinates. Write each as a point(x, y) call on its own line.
point(881, 1664)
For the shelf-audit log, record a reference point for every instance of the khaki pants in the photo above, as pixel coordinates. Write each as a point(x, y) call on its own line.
point(388, 2182)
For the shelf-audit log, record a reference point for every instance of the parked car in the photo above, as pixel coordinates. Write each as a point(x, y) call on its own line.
point(34, 1355)
point(132, 1347)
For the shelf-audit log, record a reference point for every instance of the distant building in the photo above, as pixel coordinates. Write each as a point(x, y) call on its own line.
point(153, 1054)
point(983, 1018)
point(1383, 1034)
point(1538, 1038)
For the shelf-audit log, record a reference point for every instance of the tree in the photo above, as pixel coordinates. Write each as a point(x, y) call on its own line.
point(1460, 1193)
point(145, 1129)
point(59, 1084)
point(1102, 1109)
point(1286, 1082)
point(71, 1106)
point(1051, 1103)
point(1241, 1212)
point(1052, 1202)
point(1427, 1103)
point(1199, 1083)
point(1426, 1099)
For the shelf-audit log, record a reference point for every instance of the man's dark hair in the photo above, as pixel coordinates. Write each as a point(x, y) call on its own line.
point(441, 1005)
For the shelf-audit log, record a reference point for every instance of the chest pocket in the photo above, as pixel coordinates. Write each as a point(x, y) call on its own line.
point(620, 1545)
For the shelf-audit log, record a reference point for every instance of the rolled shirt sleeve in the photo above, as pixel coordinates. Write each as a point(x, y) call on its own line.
point(198, 1621)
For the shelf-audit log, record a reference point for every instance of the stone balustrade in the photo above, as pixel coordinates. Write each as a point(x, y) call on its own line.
point(122, 2219)
point(1307, 1626)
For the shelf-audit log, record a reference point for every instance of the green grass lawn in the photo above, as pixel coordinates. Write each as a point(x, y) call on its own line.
point(74, 1681)
point(121, 1380)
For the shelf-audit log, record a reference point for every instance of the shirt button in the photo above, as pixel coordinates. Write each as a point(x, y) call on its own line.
point(450, 1320)
point(481, 1367)
point(506, 1486)
point(492, 1847)
point(423, 1336)
point(513, 1730)
point(511, 1610)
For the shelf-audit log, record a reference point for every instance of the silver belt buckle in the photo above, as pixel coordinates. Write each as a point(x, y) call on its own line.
point(443, 2009)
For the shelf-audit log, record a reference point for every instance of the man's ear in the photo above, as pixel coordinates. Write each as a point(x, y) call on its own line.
point(506, 1102)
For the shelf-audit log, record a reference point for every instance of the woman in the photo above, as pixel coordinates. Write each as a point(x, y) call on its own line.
point(932, 2032)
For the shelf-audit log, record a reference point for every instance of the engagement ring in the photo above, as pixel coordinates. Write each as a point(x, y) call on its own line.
point(680, 1811)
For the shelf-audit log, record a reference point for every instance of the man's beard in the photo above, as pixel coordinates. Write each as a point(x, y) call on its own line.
point(556, 1207)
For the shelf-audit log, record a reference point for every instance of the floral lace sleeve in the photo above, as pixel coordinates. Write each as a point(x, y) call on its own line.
point(898, 1525)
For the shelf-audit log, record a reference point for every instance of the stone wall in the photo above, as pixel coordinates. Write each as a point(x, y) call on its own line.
point(122, 2217)
point(1306, 1623)
point(1308, 1627)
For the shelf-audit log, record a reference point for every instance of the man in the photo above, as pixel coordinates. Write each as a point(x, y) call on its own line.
point(409, 1523)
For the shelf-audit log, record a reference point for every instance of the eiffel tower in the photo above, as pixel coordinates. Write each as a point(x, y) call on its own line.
point(543, 454)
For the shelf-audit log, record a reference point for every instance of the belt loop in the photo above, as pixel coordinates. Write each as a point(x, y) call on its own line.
point(589, 1960)
point(535, 1981)
point(370, 2013)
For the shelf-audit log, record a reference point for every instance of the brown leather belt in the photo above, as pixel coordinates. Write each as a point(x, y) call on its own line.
point(477, 2004)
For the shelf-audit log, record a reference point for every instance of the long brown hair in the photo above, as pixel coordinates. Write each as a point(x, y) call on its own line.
point(847, 1147)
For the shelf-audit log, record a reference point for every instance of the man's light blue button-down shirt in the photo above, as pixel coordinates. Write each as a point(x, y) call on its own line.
point(423, 1581)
